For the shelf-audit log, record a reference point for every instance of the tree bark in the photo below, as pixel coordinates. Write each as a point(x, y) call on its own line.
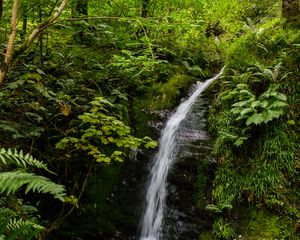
point(81, 8)
point(24, 25)
point(145, 8)
point(11, 55)
point(290, 10)
point(1, 8)
point(10, 46)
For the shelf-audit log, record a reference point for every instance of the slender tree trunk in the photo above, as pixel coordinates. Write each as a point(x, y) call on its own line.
point(10, 54)
point(41, 59)
point(10, 46)
point(80, 10)
point(1, 8)
point(290, 10)
point(145, 8)
point(24, 26)
point(82, 7)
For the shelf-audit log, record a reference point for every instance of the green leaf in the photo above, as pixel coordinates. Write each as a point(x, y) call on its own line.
point(278, 104)
point(256, 118)
point(246, 111)
point(10, 182)
point(239, 141)
point(213, 208)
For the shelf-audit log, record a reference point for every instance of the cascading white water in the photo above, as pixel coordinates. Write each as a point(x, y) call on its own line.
point(152, 219)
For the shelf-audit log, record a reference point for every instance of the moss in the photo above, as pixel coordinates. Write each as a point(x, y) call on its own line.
point(158, 96)
point(204, 182)
point(253, 224)
point(166, 95)
point(206, 236)
point(100, 212)
point(256, 224)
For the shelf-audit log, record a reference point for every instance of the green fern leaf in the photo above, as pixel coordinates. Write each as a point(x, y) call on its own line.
point(278, 104)
point(271, 114)
point(256, 118)
point(9, 156)
point(23, 228)
point(10, 182)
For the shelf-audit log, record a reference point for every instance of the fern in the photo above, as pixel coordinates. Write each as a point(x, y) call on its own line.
point(10, 182)
point(25, 228)
point(5, 215)
point(9, 156)
point(17, 220)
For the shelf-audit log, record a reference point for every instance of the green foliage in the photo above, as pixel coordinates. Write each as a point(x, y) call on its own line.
point(268, 106)
point(18, 220)
point(15, 157)
point(51, 94)
point(13, 181)
point(99, 129)
point(255, 131)
point(222, 230)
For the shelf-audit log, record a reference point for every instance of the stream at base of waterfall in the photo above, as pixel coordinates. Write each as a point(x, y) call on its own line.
point(179, 131)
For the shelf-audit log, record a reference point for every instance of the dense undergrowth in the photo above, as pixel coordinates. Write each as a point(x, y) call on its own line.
point(86, 88)
point(257, 130)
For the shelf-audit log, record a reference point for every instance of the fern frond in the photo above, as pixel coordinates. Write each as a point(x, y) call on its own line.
point(25, 228)
point(10, 182)
point(2, 201)
point(5, 215)
point(13, 156)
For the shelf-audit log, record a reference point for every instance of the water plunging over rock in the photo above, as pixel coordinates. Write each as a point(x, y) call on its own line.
point(176, 133)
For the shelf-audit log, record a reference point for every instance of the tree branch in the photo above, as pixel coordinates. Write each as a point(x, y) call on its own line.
point(11, 55)
point(10, 46)
point(26, 44)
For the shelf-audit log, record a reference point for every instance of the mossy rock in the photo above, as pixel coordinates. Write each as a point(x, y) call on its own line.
point(158, 96)
point(258, 224)
point(206, 236)
point(167, 95)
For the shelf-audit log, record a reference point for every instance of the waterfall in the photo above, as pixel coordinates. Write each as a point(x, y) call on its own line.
point(152, 218)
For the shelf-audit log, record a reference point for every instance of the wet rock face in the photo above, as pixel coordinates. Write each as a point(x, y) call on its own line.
point(118, 199)
point(183, 219)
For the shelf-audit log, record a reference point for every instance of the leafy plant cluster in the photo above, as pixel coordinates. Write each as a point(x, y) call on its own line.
point(72, 99)
point(256, 131)
point(20, 220)
point(99, 131)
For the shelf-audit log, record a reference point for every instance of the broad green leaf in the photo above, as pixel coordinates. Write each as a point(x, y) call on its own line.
point(256, 118)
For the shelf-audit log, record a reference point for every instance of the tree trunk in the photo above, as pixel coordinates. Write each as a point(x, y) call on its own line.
point(11, 55)
point(41, 60)
point(145, 8)
point(290, 10)
point(81, 8)
point(24, 25)
point(10, 46)
point(1, 8)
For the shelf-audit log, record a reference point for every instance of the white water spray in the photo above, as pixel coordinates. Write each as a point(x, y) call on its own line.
point(152, 219)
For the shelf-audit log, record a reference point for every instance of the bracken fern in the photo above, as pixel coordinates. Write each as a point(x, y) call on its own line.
point(15, 157)
point(10, 182)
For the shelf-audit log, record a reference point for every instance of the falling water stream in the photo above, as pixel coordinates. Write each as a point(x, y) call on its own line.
point(152, 219)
